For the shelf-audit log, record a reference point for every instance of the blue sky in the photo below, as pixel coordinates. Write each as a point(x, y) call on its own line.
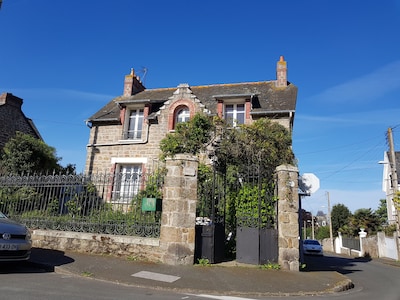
point(67, 59)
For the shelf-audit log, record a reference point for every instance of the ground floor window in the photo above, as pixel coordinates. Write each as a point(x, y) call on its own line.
point(127, 182)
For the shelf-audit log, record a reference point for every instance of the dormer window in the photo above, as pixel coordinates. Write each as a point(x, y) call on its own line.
point(235, 114)
point(134, 126)
point(182, 115)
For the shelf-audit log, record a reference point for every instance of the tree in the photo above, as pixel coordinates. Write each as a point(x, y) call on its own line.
point(365, 218)
point(25, 154)
point(322, 232)
point(381, 212)
point(189, 137)
point(340, 217)
point(263, 143)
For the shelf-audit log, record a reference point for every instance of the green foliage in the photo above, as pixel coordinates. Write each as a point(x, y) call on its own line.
point(263, 143)
point(365, 218)
point(322, 232)
point(396, 201)
point(381, 212)
point(203, 262)
point(24, 154)
point(390, 229)
point(340, 217)
point(189, 137)
point(252, 204)
point(14, 200)
point(270, 266)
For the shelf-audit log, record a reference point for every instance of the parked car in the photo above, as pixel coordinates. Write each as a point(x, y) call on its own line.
point(312, 247)
point(15, 240)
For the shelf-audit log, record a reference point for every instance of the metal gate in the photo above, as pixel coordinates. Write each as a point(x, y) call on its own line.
point(236, 216)
point(256, 217)
point(210, 216)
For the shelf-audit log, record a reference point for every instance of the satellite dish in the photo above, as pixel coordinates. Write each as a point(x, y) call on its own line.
point(308, 183)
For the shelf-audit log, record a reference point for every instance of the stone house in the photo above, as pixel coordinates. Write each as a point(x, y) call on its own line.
point(12, 119)
point(125, 133)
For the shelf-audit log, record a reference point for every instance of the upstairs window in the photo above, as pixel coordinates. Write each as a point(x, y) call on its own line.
point(135, 125)
point(182, 115)
point(234, 114)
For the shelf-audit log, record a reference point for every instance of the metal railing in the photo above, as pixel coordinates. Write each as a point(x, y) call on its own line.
point(83, 203)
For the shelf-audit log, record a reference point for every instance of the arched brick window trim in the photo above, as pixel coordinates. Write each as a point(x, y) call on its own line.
point(175, 107)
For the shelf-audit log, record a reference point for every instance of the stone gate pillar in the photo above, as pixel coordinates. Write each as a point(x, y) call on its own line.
point(288, 217)
point(177, 236)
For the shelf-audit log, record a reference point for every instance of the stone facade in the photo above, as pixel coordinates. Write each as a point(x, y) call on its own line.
point(110, 146)
point(12, 119)
point(288, 217)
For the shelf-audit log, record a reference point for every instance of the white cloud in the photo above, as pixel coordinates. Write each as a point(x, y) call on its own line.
point(370, 87)
point(52, 93)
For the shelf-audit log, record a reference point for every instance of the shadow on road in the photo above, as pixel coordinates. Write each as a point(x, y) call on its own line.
point(41, 261)
point(343, 265)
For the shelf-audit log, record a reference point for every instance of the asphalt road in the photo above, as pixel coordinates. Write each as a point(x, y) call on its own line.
point(372, 279)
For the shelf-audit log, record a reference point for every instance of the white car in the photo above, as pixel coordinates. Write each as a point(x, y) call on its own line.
point(15, 240)
point(312, 247)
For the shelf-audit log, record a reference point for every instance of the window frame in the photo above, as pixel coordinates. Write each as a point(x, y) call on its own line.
point(234, 120)
point(127, 182)
point(136, 134)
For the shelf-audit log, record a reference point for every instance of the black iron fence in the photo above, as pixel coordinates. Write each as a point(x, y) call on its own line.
point(121, 204)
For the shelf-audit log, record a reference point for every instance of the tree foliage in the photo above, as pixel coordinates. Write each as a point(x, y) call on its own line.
point(189, 137)
point(25, 154)
point(381, 212)
point(340, 217)
point(263, 143)
point(364, 218)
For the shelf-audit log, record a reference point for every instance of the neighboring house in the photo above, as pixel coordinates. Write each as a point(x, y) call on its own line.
point(12, 119)
point(125, 134)
point(387, 183)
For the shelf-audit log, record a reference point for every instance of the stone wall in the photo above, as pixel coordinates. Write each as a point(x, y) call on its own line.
point(288, 217)
point(177, 237)
point(146, 249)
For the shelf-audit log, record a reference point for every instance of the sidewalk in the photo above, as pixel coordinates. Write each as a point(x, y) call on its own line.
point(228, 278)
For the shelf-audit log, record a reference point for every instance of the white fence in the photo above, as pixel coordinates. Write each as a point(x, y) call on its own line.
point(379, 246)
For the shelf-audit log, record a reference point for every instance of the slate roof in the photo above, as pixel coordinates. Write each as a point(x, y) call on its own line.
point(266, 98)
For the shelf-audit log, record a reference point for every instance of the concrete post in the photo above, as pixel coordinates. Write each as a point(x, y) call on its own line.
point(288, 217)
point(177, 235)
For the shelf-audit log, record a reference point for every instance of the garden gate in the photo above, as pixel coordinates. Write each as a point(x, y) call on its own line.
point(237, 216)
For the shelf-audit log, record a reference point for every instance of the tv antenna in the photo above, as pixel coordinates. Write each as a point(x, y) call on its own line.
point(142, 74)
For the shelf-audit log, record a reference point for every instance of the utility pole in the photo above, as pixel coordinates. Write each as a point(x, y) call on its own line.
point(330, 222)
point(395, 183)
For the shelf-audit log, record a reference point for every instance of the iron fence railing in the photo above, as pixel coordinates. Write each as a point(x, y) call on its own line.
point(97, 203)
point(351, 243)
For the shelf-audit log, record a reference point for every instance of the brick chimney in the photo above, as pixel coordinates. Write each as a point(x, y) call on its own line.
point(132, 84)
point(281, 73)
